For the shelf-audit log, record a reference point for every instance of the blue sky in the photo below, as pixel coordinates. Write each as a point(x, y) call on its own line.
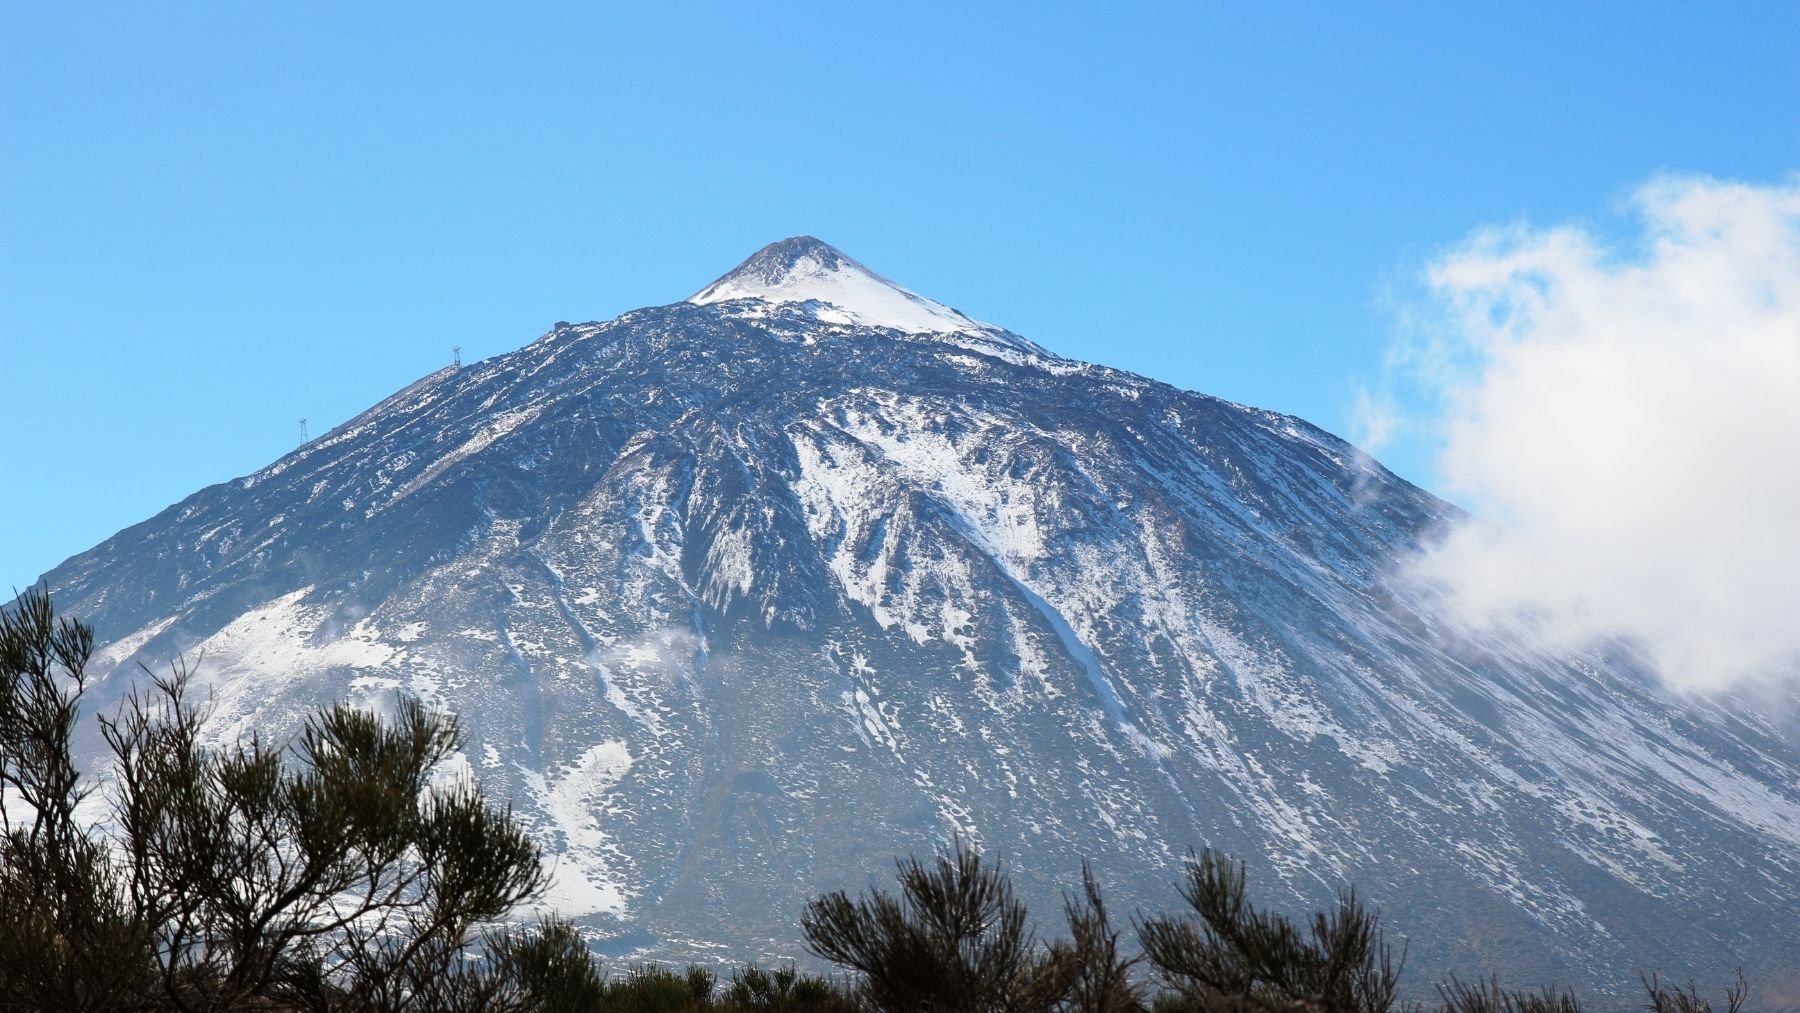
point(215, 219)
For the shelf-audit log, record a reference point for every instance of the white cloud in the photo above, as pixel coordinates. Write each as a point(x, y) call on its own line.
point(1627, 415)
point(1374, 417)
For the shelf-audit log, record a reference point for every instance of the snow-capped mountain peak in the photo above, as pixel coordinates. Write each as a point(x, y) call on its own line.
point(802, 269)
point(734, 602)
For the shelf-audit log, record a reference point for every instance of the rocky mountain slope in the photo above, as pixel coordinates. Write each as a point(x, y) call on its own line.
point(740, 596)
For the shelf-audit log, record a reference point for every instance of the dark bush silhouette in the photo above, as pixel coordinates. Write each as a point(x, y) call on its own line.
point(783, 989)
point(650, 988)
point(549, 968)
point(1489, 997)
point(1097, 976)
point(1228, 955)
point(329, 874)
point(954, 939)
point(1687, 999)
point(69, 939)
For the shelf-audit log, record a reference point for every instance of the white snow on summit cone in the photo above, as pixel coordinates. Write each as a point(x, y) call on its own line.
point(803, 269)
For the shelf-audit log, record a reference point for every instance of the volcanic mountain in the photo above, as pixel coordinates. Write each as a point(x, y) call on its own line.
point(739, 597)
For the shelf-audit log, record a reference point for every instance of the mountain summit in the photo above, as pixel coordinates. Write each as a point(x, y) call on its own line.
point(802, 269)
point(737, 598)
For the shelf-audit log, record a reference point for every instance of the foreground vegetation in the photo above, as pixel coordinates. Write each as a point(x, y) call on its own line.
point(335, 873)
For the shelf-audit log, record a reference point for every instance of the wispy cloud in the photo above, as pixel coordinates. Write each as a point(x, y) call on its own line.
point(1626, 414)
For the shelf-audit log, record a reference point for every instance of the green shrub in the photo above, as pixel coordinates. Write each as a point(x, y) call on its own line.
point(652, 988)
point(782, 990)
point(329, 874)
point(955, 939)
point(1228, 955)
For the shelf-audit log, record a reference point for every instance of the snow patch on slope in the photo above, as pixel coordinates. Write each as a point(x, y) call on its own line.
point(280, 644)
point(570, 799)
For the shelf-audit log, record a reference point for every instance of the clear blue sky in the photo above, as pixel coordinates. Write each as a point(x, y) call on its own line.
point(217, 218)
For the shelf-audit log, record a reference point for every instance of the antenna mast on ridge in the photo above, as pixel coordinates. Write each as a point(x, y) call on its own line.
point(304, 439)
